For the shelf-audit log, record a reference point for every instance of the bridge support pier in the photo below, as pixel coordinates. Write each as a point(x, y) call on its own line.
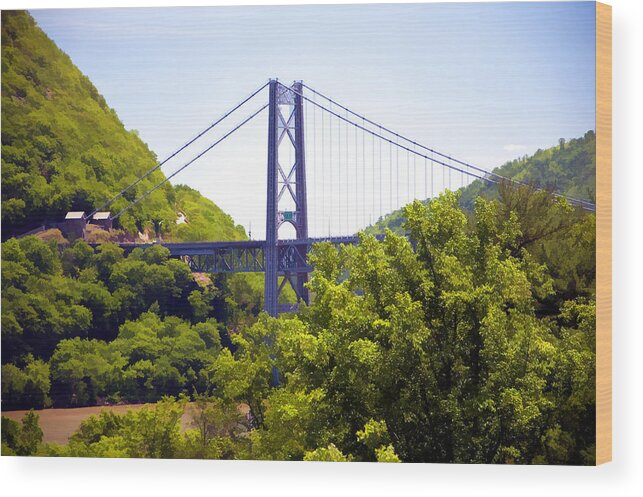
point(271, 290)
point(286, 184)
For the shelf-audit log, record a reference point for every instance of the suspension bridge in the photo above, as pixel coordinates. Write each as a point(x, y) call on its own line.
point(360, 171)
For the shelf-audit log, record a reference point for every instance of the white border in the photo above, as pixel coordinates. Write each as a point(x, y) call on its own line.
point(95, 477)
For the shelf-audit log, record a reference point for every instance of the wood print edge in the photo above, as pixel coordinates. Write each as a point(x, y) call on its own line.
point(603, 233)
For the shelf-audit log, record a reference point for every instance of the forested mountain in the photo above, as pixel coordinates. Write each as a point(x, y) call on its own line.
point(64, 148)
point(568, 168)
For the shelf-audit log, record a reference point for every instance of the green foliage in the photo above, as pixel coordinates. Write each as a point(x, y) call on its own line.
point(473, 340)
point(246, 290)
point(26, 388)
point(64, 149)
point(152, 431)
point(293, 421)
point(374, 434)
point(149, 358)
point(386, 454)
point(48, 297)
point(156, 430)
point(21, 439)
point(219, 429)
point(460, 347)
point(81, 370)
point(201, 308)
point(215, 430)
point(562, 238)
point(10, 431)
point(245, 300)
point(76, 326)
point(203, 219)
point(246, 376)
point(326, 454)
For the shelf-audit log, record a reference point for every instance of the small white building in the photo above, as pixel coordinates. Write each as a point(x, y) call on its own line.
point(102, 219)
point(74, 225)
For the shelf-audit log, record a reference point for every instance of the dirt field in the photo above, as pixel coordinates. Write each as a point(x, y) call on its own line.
point(58, 424)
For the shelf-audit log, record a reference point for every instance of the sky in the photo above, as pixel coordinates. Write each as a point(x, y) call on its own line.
point(484, 82)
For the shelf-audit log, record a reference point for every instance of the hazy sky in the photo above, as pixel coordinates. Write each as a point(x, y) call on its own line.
point(485, 82)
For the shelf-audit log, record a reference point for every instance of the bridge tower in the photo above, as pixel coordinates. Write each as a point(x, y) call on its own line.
point(286, 183)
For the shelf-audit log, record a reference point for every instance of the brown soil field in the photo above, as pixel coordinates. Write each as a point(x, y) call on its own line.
point(59, 424)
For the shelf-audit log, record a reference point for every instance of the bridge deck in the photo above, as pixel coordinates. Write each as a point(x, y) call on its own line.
point(244, 256)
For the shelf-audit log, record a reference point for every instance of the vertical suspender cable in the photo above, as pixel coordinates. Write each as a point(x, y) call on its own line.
point(330, 153)
point(444, 178)
point(397, 177)
point(432, 183)
point(347, 182)
point(304, 151)
point(306, 136)
point(314, 169)
point(390, 177)
point(339, 173)
point(341, 183)
point(426, 181)
point(408, 178)
point(414, 177)
point(357, 206)
point(363, 178)
point(323, 172)
point(450, 175)
point(373, 174)
point(462, 179)
point(380, 175)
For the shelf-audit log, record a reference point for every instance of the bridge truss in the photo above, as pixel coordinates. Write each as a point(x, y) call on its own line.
point(360, 162)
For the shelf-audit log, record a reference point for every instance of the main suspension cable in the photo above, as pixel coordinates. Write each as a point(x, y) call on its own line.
point(196, 157)
point(177, 151)
point(583, 203)
point(398, 135)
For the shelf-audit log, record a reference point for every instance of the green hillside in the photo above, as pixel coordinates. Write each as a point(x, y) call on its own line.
point(64, 148)
point(568, 168)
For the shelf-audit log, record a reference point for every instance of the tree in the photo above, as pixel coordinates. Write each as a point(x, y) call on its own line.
point(386, 454)
point(81, 370)
point(13, 386)
point(293, 421)
point(76, 258)
point(151, 431)
point(30, 435)
point(219, 425)
point(37, 386)
point(106, 257)
point(28, 388)
point(154, 431)
point(247, 376)
point(10, 434)
point(439, 338)
point(326, 454)
point(201, 308)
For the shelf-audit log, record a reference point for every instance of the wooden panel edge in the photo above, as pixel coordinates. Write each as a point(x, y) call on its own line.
point(603, 233)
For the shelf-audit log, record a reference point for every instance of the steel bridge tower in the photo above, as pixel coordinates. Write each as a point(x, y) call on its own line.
point(286, 184)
